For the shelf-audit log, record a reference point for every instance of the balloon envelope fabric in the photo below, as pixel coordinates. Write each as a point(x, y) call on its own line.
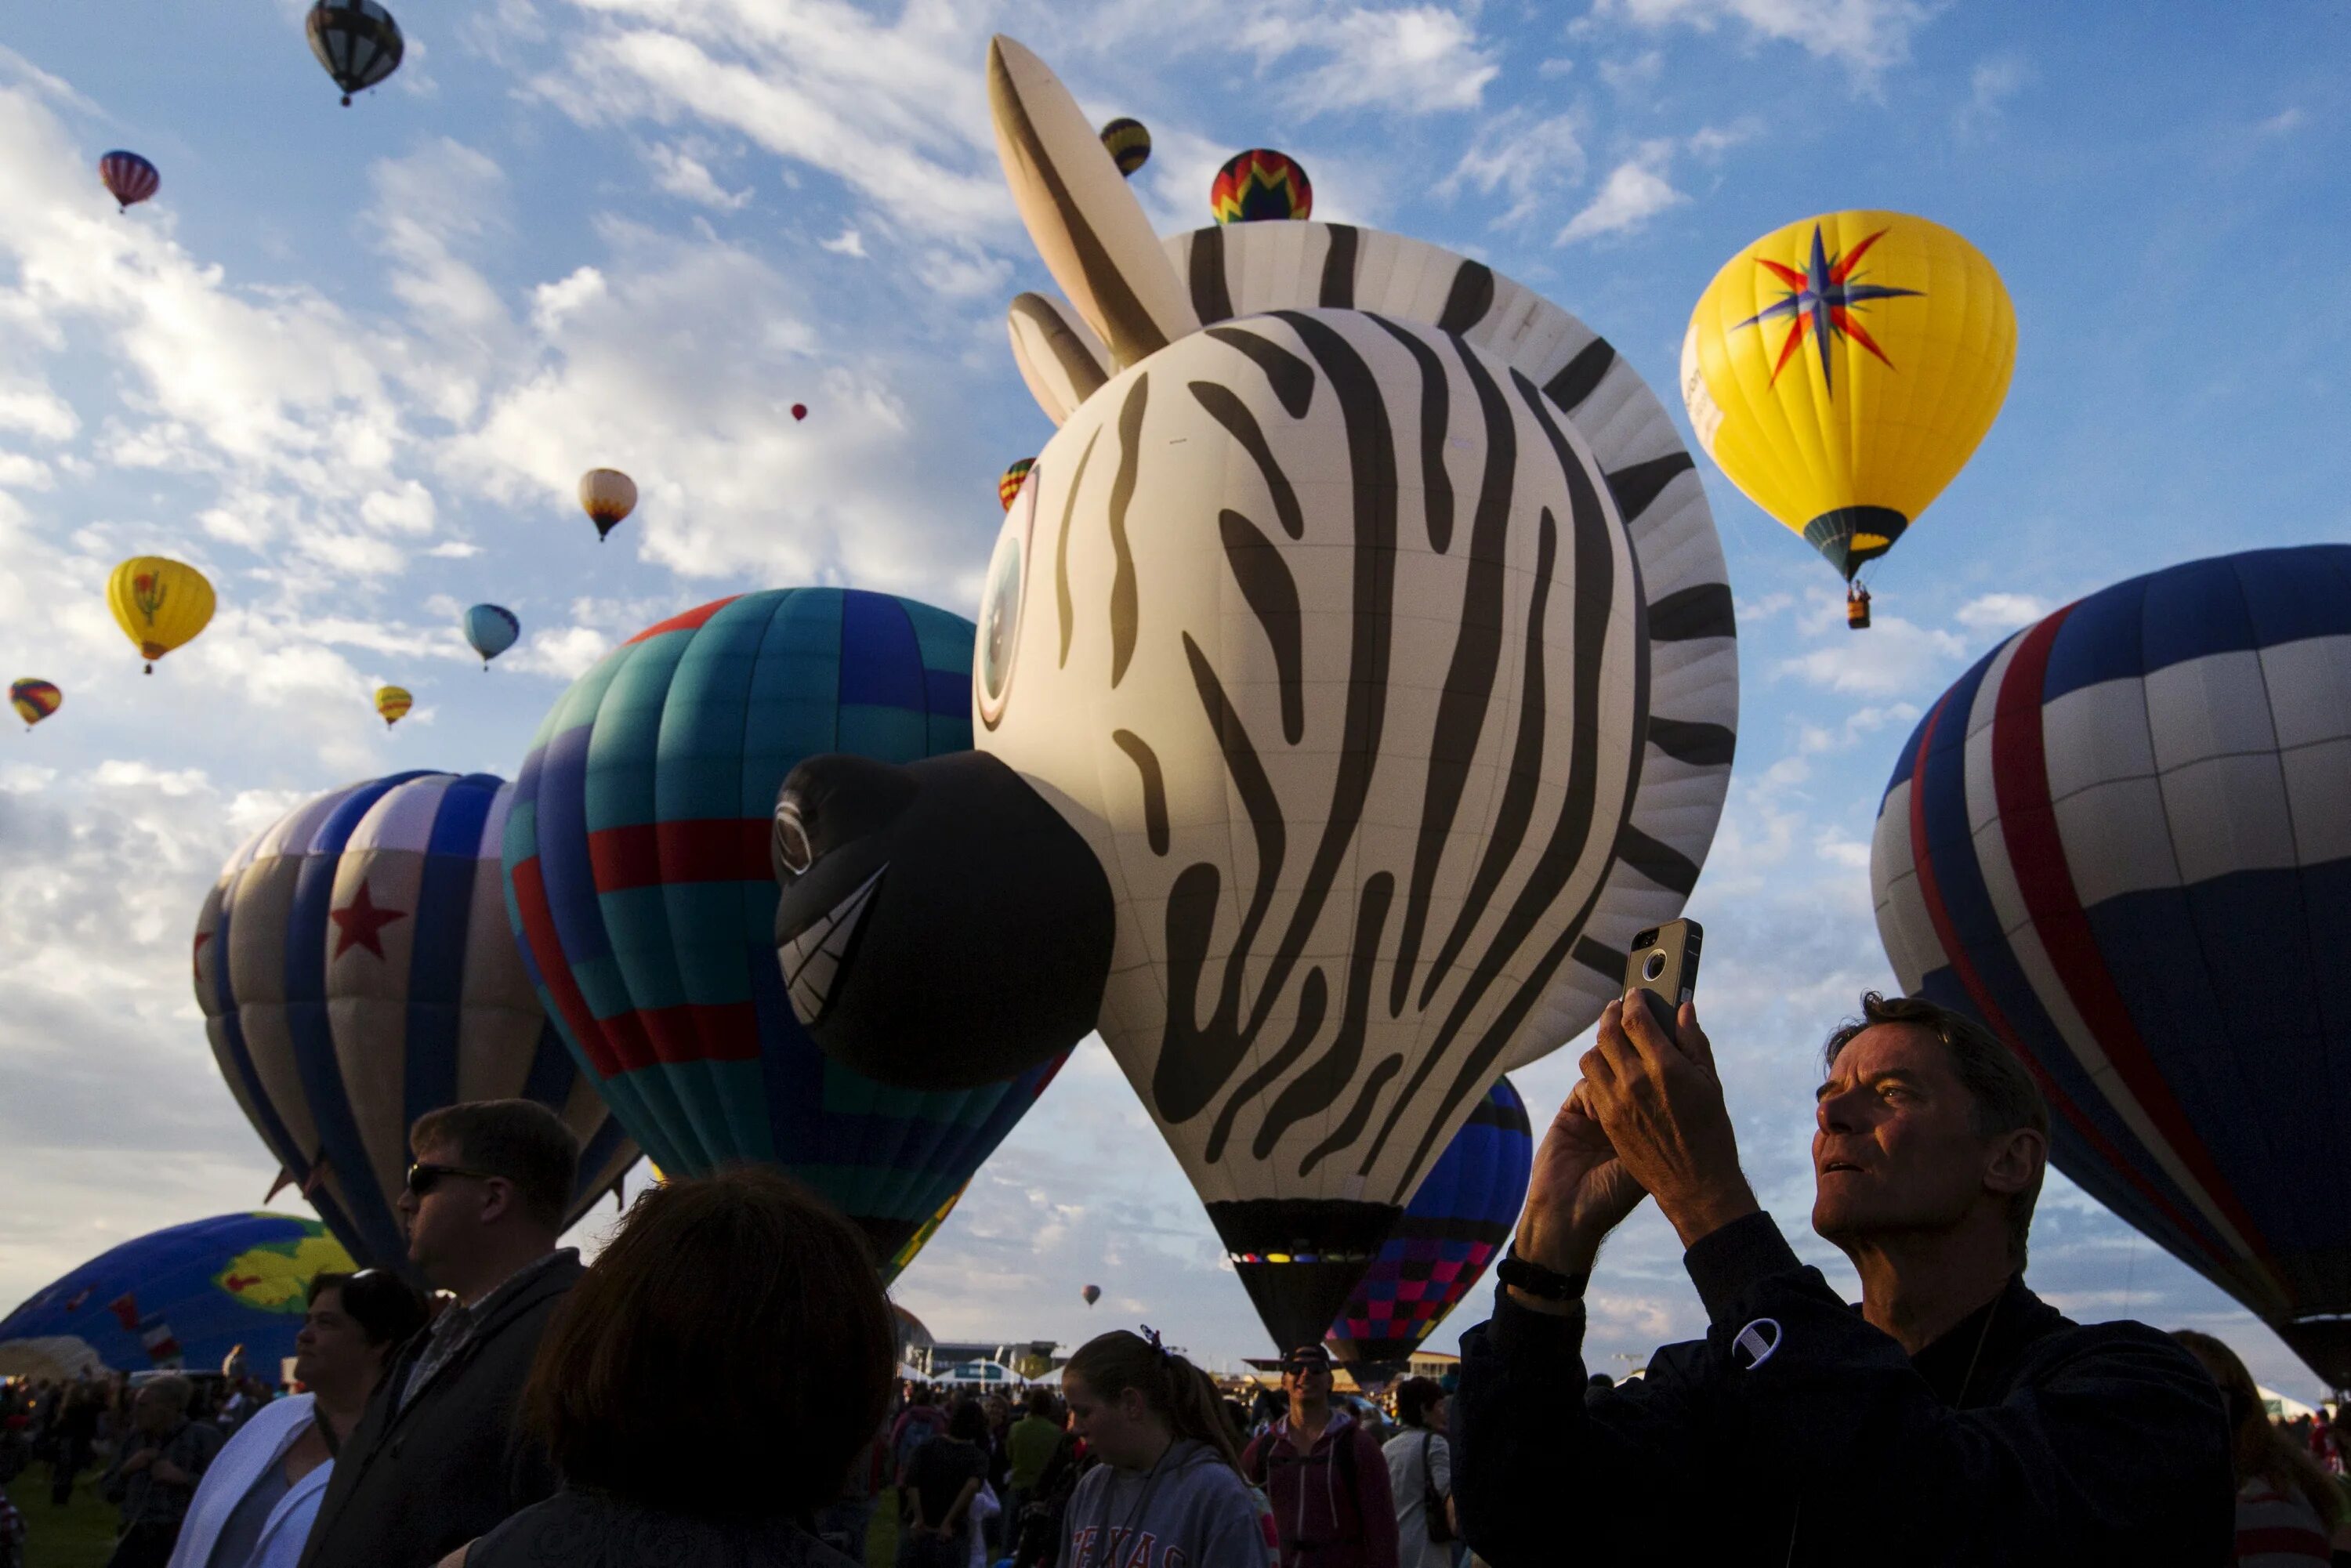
point(638, 878)
point(356, 971)
point(2123, 842)
point(1453, 1227)
point(185, 1296)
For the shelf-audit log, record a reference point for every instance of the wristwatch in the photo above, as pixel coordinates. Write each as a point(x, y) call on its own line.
point(1547, 1284)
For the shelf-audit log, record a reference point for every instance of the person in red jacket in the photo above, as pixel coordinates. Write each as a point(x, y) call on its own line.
point(1324, 1475)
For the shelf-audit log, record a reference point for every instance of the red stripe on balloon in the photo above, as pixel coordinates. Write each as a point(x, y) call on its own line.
point(700, 1031)
point(547, 951)
point(2036, 854)
point(692, 621)
point(649, 854)
point(1930, 894)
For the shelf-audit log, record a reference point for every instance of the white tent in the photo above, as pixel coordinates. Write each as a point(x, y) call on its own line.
point(2282, 1407)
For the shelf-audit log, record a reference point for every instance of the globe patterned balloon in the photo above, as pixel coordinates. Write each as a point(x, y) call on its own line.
point(1261, 184)
point(638, 882)
point(1454, 1227)
point(2123, 842)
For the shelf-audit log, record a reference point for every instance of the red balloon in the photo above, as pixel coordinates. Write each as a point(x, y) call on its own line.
point(799, 411)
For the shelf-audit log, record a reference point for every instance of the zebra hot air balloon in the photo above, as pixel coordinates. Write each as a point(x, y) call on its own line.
point(2123, 842)
point(640, 883)
point(355, 971)
point(1356, 675)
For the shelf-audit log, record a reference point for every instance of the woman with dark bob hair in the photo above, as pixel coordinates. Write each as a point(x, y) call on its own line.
point(706, 1385)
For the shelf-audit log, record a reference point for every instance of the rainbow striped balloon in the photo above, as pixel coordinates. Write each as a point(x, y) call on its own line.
point(638, 879)
point(1261, 184)
point(35, 700)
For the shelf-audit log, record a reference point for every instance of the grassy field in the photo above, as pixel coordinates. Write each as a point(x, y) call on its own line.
point(81, 1533)
point(78, 1535)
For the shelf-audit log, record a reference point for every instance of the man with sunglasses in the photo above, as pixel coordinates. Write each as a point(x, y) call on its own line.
point(438, 1459)
point(1324, 1475)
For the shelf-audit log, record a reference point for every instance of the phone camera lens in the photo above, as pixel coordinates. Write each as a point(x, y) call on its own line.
point(1653, 967)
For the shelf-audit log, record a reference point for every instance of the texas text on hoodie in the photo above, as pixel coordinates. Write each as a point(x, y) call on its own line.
point(1189, 1510)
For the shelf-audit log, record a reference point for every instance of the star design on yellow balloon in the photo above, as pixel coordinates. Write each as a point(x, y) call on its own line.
point(1821, 301)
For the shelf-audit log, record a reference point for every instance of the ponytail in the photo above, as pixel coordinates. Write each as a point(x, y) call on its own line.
point(1173, 1388)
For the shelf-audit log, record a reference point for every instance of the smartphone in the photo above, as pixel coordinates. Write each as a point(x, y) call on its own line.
point(1663, 968)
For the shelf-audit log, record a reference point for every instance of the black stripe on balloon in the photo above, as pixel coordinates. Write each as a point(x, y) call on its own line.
point(1436, 414)
point(1076, 360)
point(1595, 584)
point(1372, 488)
point(1600, 958)
point(1313, 997)
point(1318, 1088)
point(1154, 786)
point(1687, 740)
point(1636, 486)
point(1471, 297)
point(1518, 804)
point(1657, 860)
point(1273, 594)
point(1292, 378)
point(1197, 1059)
point(1125, 604)
point(1338, 290)
point(1688, 614)
point(1063, 597)
point(1468, 691)
point(1212, 301)
point(1582, 376)
point(1348, 1131)
point(1133, 335)
point(1227, 409)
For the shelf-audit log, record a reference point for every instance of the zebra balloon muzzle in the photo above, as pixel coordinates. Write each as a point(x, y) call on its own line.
point(941, 925)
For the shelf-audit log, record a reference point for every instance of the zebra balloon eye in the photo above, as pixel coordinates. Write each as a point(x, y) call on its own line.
point(1000, 615)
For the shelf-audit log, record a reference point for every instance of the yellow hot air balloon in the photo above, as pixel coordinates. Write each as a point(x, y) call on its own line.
point(159, 603)
point(607, 495)
point(1842, 369)
point(392, 702)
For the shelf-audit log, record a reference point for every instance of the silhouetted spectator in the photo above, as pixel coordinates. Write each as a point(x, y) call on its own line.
point(155, 1470)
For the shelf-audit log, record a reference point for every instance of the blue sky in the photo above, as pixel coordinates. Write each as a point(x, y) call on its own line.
point(352, 361)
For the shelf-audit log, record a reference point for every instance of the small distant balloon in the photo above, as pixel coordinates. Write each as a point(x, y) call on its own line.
point(1093, 1293)
point(1129, 142)
point(393, 703)
point(799, 411)
point(492, 629)
point(128, 178)
point(1009, 486)
point(1259, 185)
point(34, 700)
point(607, 495)
point(356, 41)
point(159, 603)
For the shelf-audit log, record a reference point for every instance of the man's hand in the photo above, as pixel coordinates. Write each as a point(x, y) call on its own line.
point(1660, 1105)
point(139, 1462)
point(1580, 1192)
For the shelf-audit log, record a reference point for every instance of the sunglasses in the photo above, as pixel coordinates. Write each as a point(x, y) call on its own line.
point(423, 1179)
point(1301, 1368)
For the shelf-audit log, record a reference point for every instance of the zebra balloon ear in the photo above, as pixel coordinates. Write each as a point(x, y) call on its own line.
point(1059, 356)
point(1084, 220)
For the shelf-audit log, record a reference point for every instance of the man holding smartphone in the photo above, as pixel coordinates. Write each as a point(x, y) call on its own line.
point(1954, 1417)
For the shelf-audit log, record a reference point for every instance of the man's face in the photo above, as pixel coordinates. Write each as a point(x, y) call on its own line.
point(1308, 1381)
point(1893, 1146)
point(442, 1225)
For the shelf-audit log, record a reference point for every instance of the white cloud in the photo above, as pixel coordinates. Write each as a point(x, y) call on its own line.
point(846, 243)
point(681, 174)
point(1419, 58)
point(2285, 119)
point(1868, 36)
point(1633, 73)
point(1990, 87)
point(1894, 658)
point(2002, 611)
point(1528, 161)
point(1633, 193)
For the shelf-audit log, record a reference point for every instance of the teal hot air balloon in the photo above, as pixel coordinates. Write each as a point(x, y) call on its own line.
point(639, 881)
point(492, 629)
point(355, 972)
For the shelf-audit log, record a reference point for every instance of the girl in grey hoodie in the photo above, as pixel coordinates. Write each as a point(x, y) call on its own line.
point(1168, 1492)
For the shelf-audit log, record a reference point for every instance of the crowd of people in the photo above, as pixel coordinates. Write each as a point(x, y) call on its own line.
point(722, 1385)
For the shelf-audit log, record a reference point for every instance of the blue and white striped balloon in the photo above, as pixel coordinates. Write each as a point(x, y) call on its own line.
point(356, 971)
point(2123, 840)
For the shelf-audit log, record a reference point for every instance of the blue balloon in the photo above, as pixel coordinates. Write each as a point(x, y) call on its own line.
point(639, 883)
point(184, 1297)
point(492, 629)
point(2123, 843)
point(1454, 1226)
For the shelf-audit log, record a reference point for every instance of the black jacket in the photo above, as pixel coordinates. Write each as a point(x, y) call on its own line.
point(1796, 1433)
point(412, 1485)
point(582, 1529)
